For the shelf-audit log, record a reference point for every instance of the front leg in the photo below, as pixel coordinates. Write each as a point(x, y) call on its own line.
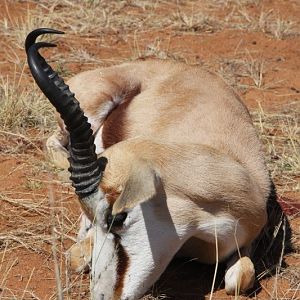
point(80, 254)
point(56, 147)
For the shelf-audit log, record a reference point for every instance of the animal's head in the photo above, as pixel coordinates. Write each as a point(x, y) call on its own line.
point(135, 235)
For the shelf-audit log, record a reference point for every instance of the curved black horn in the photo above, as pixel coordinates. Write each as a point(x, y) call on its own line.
point(84, 167)
point(33, 35)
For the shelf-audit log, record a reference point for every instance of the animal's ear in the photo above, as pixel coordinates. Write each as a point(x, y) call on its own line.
point(141, 185)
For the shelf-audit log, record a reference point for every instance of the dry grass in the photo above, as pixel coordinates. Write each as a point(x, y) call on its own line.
point(39, 233)
point(195, 22)
point(280, 135)
point(23, 108)
point(274, 25)
point(240, 16)
point(25, 116)
point(26, 210)
point(244, 73)
point(98, 18)
point(154, 50)
point(16, 29)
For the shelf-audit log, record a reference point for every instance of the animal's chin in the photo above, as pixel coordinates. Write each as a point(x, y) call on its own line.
point(105, 293)
point(104, 263)
point(113, 274)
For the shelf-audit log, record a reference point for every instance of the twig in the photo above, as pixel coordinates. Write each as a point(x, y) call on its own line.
point(24, 138)
point(217, 264)
point(6, 274)
point(53, 248)
point(24, 291)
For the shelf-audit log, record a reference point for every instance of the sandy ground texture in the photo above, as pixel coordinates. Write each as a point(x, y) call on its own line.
point(253, 44)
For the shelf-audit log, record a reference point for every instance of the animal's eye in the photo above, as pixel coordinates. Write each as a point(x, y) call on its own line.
point(117, 220)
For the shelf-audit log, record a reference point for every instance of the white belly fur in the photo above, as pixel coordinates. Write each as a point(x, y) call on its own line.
point(225, 231)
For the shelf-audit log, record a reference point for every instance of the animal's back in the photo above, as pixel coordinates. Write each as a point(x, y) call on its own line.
point(184, 104)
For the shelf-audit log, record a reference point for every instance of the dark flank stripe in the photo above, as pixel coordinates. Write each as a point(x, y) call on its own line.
point(115, 125)
point(122, 266)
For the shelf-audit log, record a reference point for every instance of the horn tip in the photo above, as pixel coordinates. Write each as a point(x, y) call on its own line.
point(32, 36)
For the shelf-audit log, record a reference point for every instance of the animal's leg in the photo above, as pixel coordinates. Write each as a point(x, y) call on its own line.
point(79, 255)
point(240, 273)
point(56, 149)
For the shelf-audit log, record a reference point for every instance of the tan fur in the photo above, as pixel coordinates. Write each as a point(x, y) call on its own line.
point(181, 128)
point(79, 255)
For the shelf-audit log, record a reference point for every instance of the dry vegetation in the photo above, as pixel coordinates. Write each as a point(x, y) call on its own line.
point(250, 43)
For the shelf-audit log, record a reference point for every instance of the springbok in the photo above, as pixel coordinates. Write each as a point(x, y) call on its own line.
point(164, 160)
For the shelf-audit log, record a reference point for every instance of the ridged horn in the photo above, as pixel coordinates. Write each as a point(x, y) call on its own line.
point(85, 169)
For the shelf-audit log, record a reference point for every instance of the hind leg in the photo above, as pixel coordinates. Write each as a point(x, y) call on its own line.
point(240, 273)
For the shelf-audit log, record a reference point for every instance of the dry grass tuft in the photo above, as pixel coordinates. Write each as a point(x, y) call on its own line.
point(274, 25)
point(244, 73)
point(195, 22)
point(280, 135)
point(25, 117)
point(95, 18)
point(154, 50)
point(16, 29)
point(23, 108)
point(268, 22)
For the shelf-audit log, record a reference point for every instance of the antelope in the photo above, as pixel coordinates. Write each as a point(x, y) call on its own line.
point(165, 161)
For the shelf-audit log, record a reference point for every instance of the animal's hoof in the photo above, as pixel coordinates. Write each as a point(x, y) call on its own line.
point(56, 152)
point(240, 277)
point(79, 256)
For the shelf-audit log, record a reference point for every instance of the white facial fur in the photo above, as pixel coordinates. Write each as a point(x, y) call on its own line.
point(149, 239)
point(104, 265)
point(85, 228)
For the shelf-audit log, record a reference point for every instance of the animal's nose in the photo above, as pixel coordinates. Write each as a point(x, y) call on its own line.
point(101, 297)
